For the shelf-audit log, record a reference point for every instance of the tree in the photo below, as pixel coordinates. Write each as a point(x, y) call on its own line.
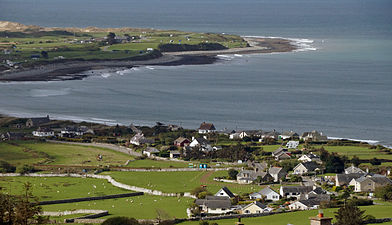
point(5, 167)
point(355, 160)
point(110, 38)
point(21, 209)
point(120, 221)
point(385, 193)
point(44, 54)
point(349, 214)
point(375, 161)
point(232, 174)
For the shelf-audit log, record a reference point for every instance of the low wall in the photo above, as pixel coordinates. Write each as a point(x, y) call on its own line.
point(79, 211)
point(62, 201)
point(382, 220)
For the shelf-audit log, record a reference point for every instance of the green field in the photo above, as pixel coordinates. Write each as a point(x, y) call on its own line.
point(141, 207)
point(361, 152)
point(176, 182)
point(19, 153)
point(54, 188)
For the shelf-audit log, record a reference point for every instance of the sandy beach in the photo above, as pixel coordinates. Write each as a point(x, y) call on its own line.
point(72, 70)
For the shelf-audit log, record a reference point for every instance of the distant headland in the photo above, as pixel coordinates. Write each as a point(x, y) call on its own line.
point(34, 53)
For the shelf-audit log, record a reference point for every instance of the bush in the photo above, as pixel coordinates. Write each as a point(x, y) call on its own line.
point(120, 221)
point(5, 167)
point(26, 169)
point(385, 193)
point(232, 174)
point(361, 202)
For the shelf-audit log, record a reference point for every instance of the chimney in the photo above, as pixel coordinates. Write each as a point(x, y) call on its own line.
point(367, 169)
point(320, 219)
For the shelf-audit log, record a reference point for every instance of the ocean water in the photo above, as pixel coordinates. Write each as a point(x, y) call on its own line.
point(344, 88)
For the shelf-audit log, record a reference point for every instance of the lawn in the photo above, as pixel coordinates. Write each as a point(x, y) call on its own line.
point(54, 188)
point(176, 182)
point(361, 152)
point(298, 218)
point(148, 163)
point(18, 153)
point(140, 207)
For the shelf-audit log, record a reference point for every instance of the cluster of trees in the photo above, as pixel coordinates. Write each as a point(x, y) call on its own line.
point(384, 193)
point(333, 162)
point(20, 209)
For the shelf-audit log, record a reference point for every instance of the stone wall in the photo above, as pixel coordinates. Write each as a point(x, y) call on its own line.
point(61, 201)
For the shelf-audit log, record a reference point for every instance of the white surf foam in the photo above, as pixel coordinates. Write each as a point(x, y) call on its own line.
point(38, 93)
point(303, 44)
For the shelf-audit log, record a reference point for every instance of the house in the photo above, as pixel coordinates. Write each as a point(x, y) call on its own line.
point(75, 131)
point(175, 154)
point(307, 204)
point(214, 205)
point(353, 169)
point(201, 143)
point(345, 179)
point(309, 158)
point(246, 176)
point(292, 144)
point(295, 191)
point(139, 139)
point(225, 192)
point(265, 178)
point(234, 136)
point(279, 151)
point(267, 192)
point(36, 122)
point(258, 167)
point(255, 208)
point(12, 136)
point(173, 127)
point(313, 136)
point(277, 173)
point(206, 128)
point(150, 151)
point(288, 135)
point(306, 167)
point(135, 129)
point(272, 134)
point(181, 141)
point(283, 156)
point(43, 132)
point(369, 183)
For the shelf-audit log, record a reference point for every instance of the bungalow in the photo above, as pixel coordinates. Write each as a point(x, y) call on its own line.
point(43, 132)
point(267, 192)
point(369, 183)
point(295, 191)
point(292, 144)
point(279, 151)
point(139, 139)
point(225, 192)
point(277, 173)
point(206, 128)
point(36, 122)
point(246, 176)
point(272, 134)
point(309, 158)
point(313, 136)
point(181, 141)
point(175, 154)
point(353, 169)
point(306, 167)
point(255, 208)
point(234, 136)
point(76, 131)
point(305, 204)
point(288, 135)
point(201, 143)
point(214, 205)
point(150, 151)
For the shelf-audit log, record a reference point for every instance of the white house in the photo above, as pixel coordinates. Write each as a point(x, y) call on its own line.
point(214, 205)
point(139, 139)
point(306, 167)
point(206, 128)
point(292, 144)
point(309, 158)
point(43, 132)
point(305, 205)
point(353, 169)
point(267, 192)
point(225, 192)
point(201, 143)
point(150, 151)
point(295, 191)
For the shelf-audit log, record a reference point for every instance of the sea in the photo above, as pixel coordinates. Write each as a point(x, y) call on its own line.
point(338, 82)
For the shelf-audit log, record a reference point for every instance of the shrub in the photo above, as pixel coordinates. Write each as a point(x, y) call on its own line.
point(120, 221)
point(385, 193)
point(26, 169)
point(5, 167)
point(232, 174)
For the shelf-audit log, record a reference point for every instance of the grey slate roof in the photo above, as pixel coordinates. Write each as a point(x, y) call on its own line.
point(275, 170)
point(266, 191)
point(228, 192)
point(259, 204)
point(345, 179)
point(353, 169)
point(214, 202)
point(297, 189)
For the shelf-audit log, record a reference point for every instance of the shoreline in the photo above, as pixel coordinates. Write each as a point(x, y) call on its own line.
point(73, 69)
